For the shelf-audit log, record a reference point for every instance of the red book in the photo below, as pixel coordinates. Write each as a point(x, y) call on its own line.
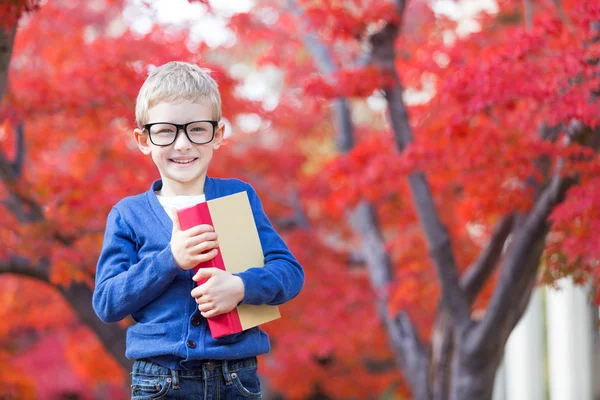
point(239, 249)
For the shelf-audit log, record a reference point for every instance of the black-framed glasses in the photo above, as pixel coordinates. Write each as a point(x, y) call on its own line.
point(197, 132)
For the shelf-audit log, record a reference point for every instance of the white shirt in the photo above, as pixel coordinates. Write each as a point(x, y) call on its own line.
point(179, 202)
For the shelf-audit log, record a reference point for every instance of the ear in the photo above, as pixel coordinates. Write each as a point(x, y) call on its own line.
point(142, 140)
point(219, 133)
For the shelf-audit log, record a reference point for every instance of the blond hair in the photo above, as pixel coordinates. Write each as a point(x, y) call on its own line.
point(177, 81)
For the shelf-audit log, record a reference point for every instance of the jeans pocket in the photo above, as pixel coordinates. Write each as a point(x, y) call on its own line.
point(247, 383)
point(149, 386)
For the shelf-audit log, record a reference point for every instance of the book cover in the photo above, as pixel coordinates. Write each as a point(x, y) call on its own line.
point(239, 249)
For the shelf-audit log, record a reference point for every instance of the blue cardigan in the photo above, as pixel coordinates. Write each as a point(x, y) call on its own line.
point(137, 276)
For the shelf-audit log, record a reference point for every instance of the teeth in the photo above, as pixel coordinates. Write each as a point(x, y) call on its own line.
point(186, 161)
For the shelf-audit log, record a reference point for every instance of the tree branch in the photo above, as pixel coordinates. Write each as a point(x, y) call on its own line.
point(438, 238)
point(17, 164)
point(410, 353)
point(473, 280)
point(411, 356)
point(7, 173)
point(79, 296)
point(326, 65)
point(528, 12)
point(24, 208)
point(21, 266)
point(343, 123)
point(296, 221)
point(400, 5)
point(364, 221)
point(7, 39)
point(563, 16)
point(442, 351)
point(520, 266)
point(405, 340)
point(440, 250)
point(519, 270)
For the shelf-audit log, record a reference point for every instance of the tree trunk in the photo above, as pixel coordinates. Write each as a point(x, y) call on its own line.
point(7, 39)
point(112, 336)
point(477, 345)
point(79, 297)
point(473, 379)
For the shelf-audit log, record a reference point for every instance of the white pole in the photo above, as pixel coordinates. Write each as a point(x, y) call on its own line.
point(500, 383)
point(570, 342)
point(524, 354)
point(596, 356)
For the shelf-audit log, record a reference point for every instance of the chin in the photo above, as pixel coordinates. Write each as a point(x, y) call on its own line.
point(185, 178)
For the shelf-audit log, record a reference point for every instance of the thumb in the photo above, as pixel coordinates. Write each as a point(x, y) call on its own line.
point(204, 273)
point(176, 224)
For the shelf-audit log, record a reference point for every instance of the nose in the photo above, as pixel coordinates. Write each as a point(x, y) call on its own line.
point(181, 141)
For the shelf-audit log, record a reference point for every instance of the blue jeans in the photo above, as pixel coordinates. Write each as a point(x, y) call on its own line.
point(214, 380)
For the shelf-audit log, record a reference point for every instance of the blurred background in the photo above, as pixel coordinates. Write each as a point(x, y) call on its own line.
point(433, 164)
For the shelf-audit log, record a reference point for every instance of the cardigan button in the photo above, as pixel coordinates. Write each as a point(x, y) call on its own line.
point(195, 320)
point(191, 344)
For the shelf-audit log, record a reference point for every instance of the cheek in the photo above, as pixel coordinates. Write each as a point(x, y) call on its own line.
point(158, 155)
point(207, 153)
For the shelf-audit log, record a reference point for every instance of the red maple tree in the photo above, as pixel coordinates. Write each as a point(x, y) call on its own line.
point(400, 213)
point(442, 193)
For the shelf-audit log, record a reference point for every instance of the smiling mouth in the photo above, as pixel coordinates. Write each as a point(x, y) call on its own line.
point(183, 160)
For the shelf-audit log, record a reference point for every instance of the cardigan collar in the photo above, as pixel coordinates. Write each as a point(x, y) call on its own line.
point(159, 211)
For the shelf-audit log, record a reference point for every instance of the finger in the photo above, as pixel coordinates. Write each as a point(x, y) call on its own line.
point(206, 273)
point(210, 313)
point(194, 241)
point(199, 229)
point(203, 299)
point(206, 307)
point(204, 247)
point(198, 292)
point(200, 301)
point(204, 257)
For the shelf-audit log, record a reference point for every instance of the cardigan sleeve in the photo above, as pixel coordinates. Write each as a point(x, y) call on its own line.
point(124, 283)
point(282, 277)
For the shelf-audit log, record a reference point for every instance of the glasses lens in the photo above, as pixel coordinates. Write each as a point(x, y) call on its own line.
point(162, 134)
point(200, 132)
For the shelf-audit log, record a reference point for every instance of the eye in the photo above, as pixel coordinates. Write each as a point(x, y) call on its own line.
point(200, 127)
point(163, 129)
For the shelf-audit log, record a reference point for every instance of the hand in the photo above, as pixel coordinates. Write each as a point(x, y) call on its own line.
point(221, 293)
point(192, 246)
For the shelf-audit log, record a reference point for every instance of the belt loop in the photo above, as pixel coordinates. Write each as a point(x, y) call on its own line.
point(226, 374)
point(175, 376)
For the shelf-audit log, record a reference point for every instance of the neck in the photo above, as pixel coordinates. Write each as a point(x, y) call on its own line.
point(190, 188)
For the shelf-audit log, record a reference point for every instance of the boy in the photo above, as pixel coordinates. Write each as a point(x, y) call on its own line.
point(146, 265)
